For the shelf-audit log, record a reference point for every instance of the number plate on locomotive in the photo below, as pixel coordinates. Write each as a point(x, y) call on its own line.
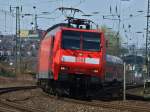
point(79, 59)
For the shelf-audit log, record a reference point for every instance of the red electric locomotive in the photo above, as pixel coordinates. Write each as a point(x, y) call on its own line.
point(74, 58)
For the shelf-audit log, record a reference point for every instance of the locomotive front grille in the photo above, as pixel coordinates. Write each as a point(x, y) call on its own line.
point(78, 70)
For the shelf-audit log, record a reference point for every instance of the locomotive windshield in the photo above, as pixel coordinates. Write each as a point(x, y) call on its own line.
point(91, 41)
point(88, 41)
point(71, 40)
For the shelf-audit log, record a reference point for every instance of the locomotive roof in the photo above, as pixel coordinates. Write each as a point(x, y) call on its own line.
point(52, 30)
point(56, 26)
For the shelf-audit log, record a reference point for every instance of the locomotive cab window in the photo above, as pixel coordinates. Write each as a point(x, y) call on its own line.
point(88, 41)
point(91, 41)
point(71, 40)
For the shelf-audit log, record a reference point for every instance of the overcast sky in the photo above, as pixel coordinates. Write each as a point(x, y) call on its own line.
point(127, 9)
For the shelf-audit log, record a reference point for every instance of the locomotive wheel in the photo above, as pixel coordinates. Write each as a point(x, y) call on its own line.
point(52, 87)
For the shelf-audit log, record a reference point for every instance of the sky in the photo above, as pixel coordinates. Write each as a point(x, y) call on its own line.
point(131, 22)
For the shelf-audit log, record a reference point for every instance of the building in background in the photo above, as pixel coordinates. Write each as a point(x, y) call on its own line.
point(32, 34)
point(29, 44)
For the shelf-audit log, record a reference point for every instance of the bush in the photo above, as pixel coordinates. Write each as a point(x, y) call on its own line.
point(6, 73)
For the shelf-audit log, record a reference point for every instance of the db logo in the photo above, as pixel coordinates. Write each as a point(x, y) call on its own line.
point(79, 59)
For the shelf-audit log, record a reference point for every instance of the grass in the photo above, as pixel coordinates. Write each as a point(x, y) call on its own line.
point(4, 70)
point(7, 73)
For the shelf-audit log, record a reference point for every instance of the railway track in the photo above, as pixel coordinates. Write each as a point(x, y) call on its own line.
point(7, 106)
point(14, 107)
point(18, 88)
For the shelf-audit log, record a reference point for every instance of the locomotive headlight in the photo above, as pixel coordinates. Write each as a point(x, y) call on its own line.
point(95, 71)
point(63, 68)
point(92, 60)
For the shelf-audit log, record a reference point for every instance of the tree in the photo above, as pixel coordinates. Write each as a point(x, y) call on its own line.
point(114, 42)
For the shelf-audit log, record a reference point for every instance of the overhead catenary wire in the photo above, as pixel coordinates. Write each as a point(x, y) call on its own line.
point(119, 18)
point(5, 15)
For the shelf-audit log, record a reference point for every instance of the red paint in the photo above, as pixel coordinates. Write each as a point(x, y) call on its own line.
point(50, 59)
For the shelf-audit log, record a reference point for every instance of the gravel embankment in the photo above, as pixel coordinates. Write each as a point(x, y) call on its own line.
point(37, 99)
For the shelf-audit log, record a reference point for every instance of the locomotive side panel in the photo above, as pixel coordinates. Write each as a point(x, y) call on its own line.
point(56, 55)
point(44, 59)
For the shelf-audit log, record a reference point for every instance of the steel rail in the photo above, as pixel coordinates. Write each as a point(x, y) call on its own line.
point(5, 104)
point(17, 88)
point(20, 107)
